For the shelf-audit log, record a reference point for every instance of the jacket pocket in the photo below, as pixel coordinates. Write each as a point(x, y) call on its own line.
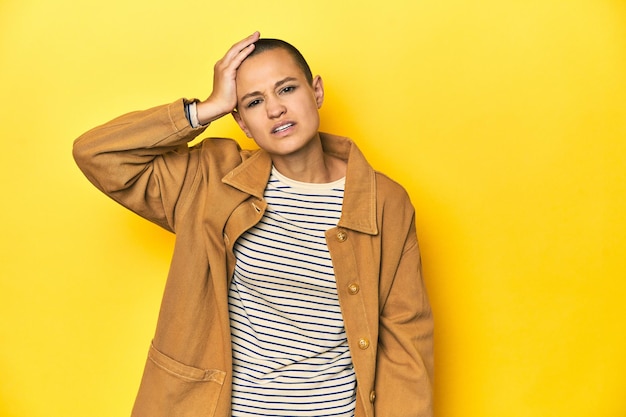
point(171, 388)
point(184, 371)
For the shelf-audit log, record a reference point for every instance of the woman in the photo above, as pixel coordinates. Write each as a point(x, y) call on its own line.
point(295, 287)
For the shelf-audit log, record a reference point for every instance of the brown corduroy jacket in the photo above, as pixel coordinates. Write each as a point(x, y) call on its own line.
point(209, 194)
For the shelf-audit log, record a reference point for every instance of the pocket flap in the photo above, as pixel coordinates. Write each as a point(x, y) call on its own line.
point(184, 371)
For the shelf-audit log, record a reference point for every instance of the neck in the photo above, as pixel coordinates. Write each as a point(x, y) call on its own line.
point(316, 167)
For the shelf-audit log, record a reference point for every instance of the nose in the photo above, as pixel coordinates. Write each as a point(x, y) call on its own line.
point(274, 107)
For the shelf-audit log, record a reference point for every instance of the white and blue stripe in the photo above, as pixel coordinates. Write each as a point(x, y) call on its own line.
point(290, 352)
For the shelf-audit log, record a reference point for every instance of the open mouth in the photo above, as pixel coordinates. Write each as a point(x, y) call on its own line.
point(282, 128)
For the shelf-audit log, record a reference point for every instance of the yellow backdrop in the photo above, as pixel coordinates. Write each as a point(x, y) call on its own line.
point(505, 120)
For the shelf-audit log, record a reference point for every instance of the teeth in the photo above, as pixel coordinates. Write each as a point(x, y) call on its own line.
point(283, 127)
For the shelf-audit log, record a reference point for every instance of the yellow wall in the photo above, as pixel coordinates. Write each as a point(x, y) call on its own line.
point(505, 120)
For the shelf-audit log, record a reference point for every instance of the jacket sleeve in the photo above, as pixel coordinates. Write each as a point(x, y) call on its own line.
point(404, 370)
point(142, 160)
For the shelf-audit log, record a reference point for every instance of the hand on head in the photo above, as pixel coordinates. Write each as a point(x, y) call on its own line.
point(223, 98)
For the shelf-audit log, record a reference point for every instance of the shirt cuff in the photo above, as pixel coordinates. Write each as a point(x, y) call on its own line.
point(192, 114)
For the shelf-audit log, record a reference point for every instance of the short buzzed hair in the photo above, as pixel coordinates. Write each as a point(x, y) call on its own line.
point(267, 44)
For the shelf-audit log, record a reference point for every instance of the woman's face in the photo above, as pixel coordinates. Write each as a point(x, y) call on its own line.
point(276, 106)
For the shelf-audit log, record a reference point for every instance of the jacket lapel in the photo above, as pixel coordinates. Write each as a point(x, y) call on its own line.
point(251, 175)
point(359, 204)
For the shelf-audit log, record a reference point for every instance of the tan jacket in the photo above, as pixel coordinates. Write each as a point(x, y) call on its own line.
point(209, 194)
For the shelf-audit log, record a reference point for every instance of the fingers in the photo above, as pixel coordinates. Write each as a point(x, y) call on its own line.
point(223, 98)
point(239, 51)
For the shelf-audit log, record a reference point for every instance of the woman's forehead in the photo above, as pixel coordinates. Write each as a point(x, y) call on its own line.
point(268, 66)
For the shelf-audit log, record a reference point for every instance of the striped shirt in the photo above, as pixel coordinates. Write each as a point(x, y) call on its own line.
point(290, 351)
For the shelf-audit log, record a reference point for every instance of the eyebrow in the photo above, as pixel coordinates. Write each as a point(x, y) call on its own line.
point(276, 85)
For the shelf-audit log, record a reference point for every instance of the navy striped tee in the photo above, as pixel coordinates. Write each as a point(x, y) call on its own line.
point(290, 351)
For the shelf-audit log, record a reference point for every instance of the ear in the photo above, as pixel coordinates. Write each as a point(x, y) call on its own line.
point(240, 122)
point(318, 90)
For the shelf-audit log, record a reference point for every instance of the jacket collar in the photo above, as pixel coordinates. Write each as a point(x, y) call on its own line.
point(359, 202)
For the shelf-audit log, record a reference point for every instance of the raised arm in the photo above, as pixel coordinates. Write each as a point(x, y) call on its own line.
point(142, 160)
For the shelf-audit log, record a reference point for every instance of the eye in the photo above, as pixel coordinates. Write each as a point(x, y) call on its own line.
point(253, 103)
point(288, 89)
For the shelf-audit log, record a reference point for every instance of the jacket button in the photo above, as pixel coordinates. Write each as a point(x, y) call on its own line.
point(372, 396)
point(342, 236)
point(353, 288)
point(364, 343)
